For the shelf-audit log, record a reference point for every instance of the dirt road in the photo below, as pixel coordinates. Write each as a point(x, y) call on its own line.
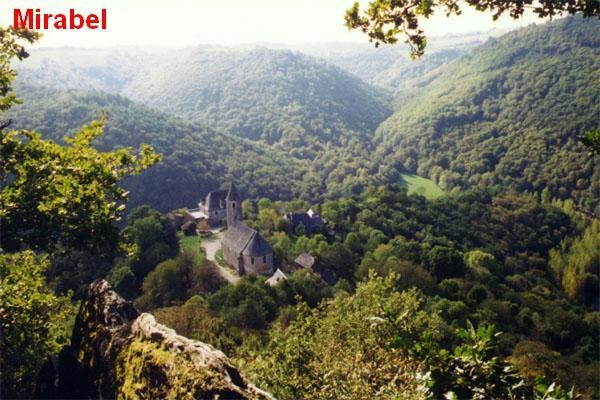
point(211, 245)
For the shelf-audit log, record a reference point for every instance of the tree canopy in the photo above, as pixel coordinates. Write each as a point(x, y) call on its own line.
point(63, 195)
point(11, 47)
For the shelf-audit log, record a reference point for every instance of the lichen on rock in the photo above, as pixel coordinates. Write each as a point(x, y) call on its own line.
point(117, 353)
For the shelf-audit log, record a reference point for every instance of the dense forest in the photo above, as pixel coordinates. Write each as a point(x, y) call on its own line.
point(272, 96)
point(526, 267)
point(469, 122)
point(507, 115)
point(196, 158)
point(489, 289)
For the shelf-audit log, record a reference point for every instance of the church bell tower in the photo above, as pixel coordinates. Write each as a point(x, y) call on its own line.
point(234, 206)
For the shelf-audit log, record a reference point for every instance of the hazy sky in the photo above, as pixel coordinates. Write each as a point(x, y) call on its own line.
point(191, 22)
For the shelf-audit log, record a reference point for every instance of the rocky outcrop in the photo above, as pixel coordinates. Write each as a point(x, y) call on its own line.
point(117, 353)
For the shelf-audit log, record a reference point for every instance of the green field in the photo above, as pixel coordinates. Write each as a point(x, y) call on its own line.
point(192, 245)
point(422, 186)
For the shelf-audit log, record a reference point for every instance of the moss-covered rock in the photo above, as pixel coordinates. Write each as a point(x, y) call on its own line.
point(117, 353)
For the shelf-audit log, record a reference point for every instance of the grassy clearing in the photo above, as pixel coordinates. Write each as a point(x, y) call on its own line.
point(192, 244)
point(422, 186)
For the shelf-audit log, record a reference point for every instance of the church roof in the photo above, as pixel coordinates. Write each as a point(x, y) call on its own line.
point(237, 236)
point(243, 239)
point(216, 199)
point(257, 246)
point(232, 194)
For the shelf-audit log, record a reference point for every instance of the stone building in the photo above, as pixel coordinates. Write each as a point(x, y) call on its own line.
point(310, 221)
point(243, 247)
point(214, 207)
point(211, 210)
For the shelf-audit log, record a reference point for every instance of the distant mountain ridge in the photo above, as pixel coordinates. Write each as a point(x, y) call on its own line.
point(505, 115)
point(273, 96)
point(196, 159)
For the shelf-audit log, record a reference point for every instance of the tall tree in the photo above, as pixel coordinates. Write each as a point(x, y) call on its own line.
point(52, 197)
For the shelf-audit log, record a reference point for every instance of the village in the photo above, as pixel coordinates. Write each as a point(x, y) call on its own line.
point(239, 250)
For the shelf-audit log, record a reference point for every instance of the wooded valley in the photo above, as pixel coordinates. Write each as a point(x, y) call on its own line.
point(461, 252)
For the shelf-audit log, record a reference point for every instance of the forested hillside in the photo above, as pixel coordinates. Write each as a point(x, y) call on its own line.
point(105, 69)
point(195, 160)
point(267, 95)
point(507, 115)
point(486, 289)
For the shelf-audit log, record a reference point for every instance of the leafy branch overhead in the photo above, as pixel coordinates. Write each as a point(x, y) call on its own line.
point(66, 195)
point(384, 20)
point(10, 48)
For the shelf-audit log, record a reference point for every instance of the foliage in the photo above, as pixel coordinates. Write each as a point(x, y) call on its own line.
point(497, 129)
point(344, 348)
point(175, 280)
point(383, 21)
point(576, 265)
point(273, 96)
point(61, 200)
point(195, 159)
point(591, 140)
point(35, 322)
point(445, 262)
point(249, 304)
point(206, 279)
point(305, 286)
point(11, 48)
point(380, 342)
point(66, 196)
point(470, 370)
point(508, 116)
point(154, 238)
point(504, 277)
point(195, 321)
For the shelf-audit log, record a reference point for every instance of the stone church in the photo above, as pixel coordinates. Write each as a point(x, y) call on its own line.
point(214, 207)
point(243, 247)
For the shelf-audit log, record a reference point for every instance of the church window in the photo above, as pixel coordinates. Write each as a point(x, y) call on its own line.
point(252, 260)
point(265, 259)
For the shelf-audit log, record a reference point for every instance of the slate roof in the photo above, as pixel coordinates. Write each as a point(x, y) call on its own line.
point(305, 260)
point(317, 221)
point(257, 246)
point(309, 219)
point(243, 239)
point(216, 199)
point(299, 218)
point(237, 236)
